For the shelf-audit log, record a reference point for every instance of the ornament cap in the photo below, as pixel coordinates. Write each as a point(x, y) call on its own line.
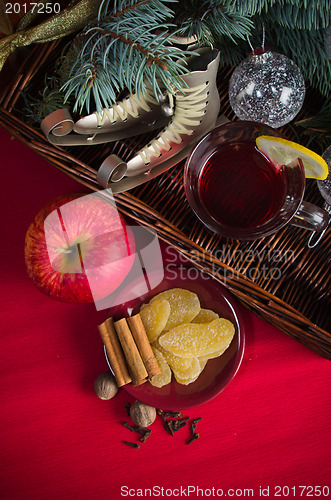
point(259, 51)
point(260, 55)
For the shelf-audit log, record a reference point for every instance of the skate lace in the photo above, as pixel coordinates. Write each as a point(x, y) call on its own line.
point(190, 106)
point(129, 106)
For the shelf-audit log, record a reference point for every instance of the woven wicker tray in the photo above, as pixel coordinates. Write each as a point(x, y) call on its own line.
point(278, 277)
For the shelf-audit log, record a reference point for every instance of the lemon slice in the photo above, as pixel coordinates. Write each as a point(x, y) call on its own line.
point(283, 152)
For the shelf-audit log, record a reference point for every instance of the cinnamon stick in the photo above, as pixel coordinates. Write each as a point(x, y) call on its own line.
point(114, 352)
point(135, 363)
point(139, 334)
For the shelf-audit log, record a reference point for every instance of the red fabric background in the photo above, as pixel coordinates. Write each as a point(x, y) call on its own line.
point(269, 427)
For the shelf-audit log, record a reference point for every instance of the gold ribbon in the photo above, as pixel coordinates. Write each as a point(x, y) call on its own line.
point(71, 19)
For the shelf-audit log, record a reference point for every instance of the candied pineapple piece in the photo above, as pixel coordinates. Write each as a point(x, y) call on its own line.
point(190, 372)
point(195, 340)
point(205, 316)
point(203, 363)
point(187, 381)
point(164, 377)
point(184, 306)
point(212, 355)
point(190, 380)
point(185, 370)
point(175, 362)
point(154, 317)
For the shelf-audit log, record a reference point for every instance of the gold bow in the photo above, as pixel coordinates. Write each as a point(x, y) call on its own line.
point(71, 19)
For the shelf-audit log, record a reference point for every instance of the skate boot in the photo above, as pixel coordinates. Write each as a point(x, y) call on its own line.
point(132, 116)
point(196, 110)
point(135, 114)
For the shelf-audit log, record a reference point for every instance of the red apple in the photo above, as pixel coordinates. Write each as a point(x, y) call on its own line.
point(78, 248)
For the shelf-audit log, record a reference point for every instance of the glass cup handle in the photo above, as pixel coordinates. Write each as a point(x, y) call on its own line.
point(316, 237)
point(309, 216)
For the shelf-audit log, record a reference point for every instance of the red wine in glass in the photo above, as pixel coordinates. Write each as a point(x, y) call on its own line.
point(240, 187)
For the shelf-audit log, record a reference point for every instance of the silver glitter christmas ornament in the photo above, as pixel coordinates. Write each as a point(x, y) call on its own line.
point(267, 87)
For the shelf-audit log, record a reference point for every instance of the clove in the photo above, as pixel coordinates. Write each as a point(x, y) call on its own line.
point(168, 425)
point(146, 435)
point(194, 424)
point(135, 428)
point(127, 407)
point(178, 424)
point(193, 438)
point(133, 445)
point(174, 414)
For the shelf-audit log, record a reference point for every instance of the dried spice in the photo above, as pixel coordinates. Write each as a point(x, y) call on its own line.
point(105, 386)
point(193, 438)
point(142, 415)
point(137, 428)
point(128, 350)
point(173, 421)
point(143, 439)
point(127, 406)
point(195, 435)
point(178, 424)
point(174, 414)
point(168, 427)
point(133, 445)
point(194, 423)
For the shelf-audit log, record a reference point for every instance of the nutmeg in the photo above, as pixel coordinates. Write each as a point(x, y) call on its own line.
point(105, 386)
point(142, 415)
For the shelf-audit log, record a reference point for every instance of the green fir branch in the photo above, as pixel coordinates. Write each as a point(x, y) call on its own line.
point(306, 48)
point(49, 100)
point(231, 53)
point(300, 14)
point(131, 43)
point(318, 127)
point(305, 14)
point(117, 8)
point(209, 20)
point(124, 51)
point(249, 7)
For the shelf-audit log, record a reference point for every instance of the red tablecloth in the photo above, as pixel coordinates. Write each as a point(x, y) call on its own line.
point(270, 428)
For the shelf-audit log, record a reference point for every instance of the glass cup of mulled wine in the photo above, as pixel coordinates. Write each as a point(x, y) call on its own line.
point(237, 192)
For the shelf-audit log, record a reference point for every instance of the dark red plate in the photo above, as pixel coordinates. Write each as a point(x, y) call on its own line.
point(218, 372)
